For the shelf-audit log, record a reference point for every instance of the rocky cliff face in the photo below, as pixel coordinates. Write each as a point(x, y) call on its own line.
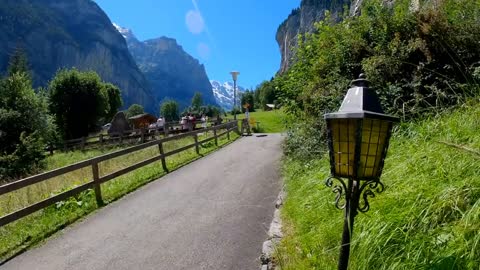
point(171, 72)
point(70, 33)
point(301, 21)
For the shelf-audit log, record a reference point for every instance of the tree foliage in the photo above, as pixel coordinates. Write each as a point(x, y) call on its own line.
point(265, 94)
point(134, 109)
point(78, 100)
point(114, 100)
point(169, 110)
point(419, 62)
point(248, 98)
point(197, 100)
point(25, 126)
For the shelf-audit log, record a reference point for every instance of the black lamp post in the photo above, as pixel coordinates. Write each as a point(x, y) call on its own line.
point(358, 136)
point(234, 77)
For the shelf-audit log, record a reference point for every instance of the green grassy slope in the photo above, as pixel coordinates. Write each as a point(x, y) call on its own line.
point(427, 218)
point(268, 121)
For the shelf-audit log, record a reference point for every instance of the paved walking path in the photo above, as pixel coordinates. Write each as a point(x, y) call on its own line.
point(211, 214)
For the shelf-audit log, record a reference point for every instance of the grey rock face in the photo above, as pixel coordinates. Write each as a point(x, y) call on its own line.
point(59, 34)
point(171, 71)
point(119, 124)
point(301, 21)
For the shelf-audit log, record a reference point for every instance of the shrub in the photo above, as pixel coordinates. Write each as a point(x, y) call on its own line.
point(419, 62)
point(78, 100)
point(24, 123)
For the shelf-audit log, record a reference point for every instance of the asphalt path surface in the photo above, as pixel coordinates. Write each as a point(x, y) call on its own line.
point(211, 214)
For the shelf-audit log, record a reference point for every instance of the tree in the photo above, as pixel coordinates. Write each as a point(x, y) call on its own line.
point(78, 100)
point(169, 110)
point(265, 94)
point(24, 123)
point(18, 63)
point(248, 98)
point(134, 109)
point(114, 100)
point(197, 100)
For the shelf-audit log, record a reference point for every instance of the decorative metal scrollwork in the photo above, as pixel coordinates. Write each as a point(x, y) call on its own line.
point(367, 190)
point(339, 189)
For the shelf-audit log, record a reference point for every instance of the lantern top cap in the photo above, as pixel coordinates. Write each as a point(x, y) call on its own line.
point(361, 81)
point(361, 102)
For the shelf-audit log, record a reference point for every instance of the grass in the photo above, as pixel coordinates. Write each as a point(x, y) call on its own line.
point(427, 218)
point(268, 121)
point(24, 233)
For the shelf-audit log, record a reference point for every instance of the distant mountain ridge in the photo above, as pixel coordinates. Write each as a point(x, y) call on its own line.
point(171, 72)
point(224, 94)
point(71, 33)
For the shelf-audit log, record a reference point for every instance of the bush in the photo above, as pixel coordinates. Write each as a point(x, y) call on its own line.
point(305, 140)
point(419, 62)
point(27, 157)
point(79, 100)
point(169, 110)
point(134, 109)
point(24, 124)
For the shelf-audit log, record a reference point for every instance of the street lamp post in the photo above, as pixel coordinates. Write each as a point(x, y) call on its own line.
point(234, 77)
point(358, 136)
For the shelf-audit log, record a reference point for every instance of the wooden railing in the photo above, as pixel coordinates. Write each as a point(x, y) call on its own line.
point(96, 182)
point(141, 135)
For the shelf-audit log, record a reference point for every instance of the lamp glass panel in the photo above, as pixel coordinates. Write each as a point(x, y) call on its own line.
point(374, 136)
point(343, 132)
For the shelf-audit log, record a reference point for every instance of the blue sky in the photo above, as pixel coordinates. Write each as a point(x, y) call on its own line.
point(224, 35)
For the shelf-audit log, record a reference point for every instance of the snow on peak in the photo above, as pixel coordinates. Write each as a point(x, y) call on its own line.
point(223, 93)
point(126, 33)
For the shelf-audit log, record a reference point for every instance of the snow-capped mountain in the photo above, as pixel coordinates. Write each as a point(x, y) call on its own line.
point(126, 33)
point(223, 93)
point(171, 72)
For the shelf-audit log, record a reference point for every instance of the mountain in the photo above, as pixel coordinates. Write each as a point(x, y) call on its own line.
point(59, 34)
point(171, 71)
point(224, 94)
point(302, 20)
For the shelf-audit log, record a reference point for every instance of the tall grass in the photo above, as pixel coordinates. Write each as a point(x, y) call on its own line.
point(427, 218)
point(32, 229)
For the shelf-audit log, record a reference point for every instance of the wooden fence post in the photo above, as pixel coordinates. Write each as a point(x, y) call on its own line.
point(165, 129)
point(215, 135)
point(197, 148)
point(164, 162)
point(142, 135)
point(84, 141)
point(228, 132)
point(236, 128)
point(101, 139)
point(96, 180)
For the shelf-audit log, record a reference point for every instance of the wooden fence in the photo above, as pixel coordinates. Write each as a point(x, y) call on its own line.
point(96, 182)
point(140, 135)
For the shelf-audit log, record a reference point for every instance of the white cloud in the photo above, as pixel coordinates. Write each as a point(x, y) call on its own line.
point(195, 22)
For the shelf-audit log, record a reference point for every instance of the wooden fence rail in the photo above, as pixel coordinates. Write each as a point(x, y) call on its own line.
point(96, 182)
point(142, 135)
